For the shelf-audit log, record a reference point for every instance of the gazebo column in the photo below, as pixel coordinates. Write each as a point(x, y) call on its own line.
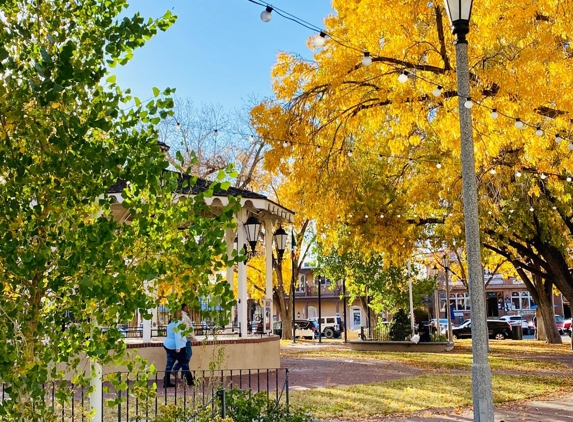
point(269, 276)
point(146, 323)
point(242, 276)
point(230, 243)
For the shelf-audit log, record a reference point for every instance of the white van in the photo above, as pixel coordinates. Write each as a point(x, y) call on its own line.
point(331, 326)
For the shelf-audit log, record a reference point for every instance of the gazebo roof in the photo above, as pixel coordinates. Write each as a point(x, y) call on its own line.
point(253, 201)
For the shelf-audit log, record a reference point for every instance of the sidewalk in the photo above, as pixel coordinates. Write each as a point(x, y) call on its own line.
point(557, 409)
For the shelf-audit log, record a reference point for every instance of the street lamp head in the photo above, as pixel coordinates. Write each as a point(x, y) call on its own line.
point(252, 228)
point(459, 13)
point(280, 239)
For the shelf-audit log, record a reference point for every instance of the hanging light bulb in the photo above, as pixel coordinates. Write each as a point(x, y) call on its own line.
point(437, 92)
point(366, 60)
point(531, 209)
point(543, 176)
point(380, 157)
point(381, 215)
point(494, 114)
point(382, 42)
point(554, 207)
point(469, 103)
point(517, 173)
point(318, 148)
point(350, 153)
point(439, 165)
point(539, 131)
point(570, 146)
point(568, 178)
point(266, 14)
point(178, 126)
point(365, 215)
point(215, 132)
point(285, 144)
point(320, 39)
point(492, 171)
point(558, 138)
point(251, 138)
point(403, 78)
point(518, 123)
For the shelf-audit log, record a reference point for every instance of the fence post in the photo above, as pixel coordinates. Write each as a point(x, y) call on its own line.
point(362, 336)
point(286, 385)
point(221, 396)
point(96, 395)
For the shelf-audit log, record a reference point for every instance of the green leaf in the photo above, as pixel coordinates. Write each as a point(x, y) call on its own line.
point(156, 91)
point(111, 79)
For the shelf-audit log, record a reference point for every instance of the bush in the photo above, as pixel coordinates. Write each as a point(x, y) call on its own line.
point(400, 327)
point(241, 406)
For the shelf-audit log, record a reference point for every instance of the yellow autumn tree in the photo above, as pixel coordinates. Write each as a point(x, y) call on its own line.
point(376, 148)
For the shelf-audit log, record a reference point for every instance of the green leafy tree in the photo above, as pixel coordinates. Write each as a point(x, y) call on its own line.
point(66, 136)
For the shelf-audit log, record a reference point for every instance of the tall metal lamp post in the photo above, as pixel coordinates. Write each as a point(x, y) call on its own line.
point(459, 12)
point(448, 307)
point(280, 236)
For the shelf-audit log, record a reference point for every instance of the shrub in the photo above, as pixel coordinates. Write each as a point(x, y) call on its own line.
point(400, 326)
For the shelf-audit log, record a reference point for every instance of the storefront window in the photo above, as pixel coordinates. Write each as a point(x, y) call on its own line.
point(521, 300)
point(461, 301)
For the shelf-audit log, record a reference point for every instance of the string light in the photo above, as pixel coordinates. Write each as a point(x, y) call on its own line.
point(558, 138)
point(318, 148)
point(350, 153)
point(570, 146)
point(266, 15)
point(518, 123)
point(320, 39)
point(543, 176)
point(215, 132)
point(469, 103)
point(251, 138)
point(366, 60)
point(403, 78)
point(568, 178)
point(178, 126)
point(494, 114)
point(531, 209)
point(437, 92)
point(286, 144)
point(439, 165)
point(492, 171)
point(539, 131)
point(517, 173)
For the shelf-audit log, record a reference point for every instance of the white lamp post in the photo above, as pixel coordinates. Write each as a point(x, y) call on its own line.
point(459, 12)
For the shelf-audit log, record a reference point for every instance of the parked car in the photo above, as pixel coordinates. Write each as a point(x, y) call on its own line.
point(497, 329)
point(516, 320)
point(305, 328)
point(567, 326)
point(559, 320)
point(331, 326)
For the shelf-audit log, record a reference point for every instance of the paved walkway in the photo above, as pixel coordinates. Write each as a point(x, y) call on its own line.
point(557, 409)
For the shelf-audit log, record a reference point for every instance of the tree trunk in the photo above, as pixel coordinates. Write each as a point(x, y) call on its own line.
point(282, 306)
point(546, 328)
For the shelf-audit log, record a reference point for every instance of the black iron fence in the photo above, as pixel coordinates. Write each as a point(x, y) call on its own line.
point(381, 332)
point(145, 397)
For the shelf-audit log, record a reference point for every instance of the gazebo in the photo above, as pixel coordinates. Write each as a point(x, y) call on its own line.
point(256, 210)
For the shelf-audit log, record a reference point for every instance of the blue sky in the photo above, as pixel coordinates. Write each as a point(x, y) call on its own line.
point(218, 52)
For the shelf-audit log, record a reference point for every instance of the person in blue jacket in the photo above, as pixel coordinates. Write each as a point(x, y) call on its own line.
point(174, 346)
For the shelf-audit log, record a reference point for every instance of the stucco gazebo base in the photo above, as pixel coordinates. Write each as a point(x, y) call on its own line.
point(401, 346)
point(235, 353)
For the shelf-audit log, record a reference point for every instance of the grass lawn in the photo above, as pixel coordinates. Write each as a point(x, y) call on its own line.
point(520, 370)
point(413, 394)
